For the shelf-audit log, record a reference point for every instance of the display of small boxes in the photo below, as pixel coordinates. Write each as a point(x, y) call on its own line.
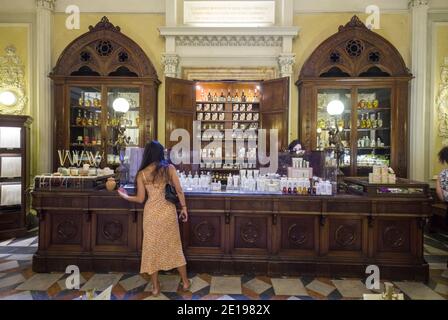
point(300, 172)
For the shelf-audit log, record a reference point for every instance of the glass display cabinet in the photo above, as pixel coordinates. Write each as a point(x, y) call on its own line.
point(14, 174)
point(365, 73)
point(105, 96)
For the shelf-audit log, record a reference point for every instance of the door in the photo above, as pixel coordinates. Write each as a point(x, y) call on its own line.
point(180, 103)
point(274, 109)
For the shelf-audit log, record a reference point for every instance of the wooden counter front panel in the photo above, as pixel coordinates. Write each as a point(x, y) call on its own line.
point(273, 235)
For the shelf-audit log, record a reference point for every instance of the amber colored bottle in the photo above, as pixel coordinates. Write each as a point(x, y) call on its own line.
point(285, 190)
point(294, 190)
point(78, 120)
point(289, 190)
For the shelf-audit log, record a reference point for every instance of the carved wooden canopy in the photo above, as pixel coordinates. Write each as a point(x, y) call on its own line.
point(104, 51)
point(354, 51)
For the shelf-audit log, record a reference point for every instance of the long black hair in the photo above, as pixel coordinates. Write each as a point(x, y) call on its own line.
point(154, 153)
point(443, 155)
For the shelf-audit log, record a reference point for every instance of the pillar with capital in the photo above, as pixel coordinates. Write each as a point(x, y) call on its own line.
point(286, 65)
point(418, 147)
point(170, 62)
point(44, 113)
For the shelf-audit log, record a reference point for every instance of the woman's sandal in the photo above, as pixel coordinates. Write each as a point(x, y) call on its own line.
point(189, 285)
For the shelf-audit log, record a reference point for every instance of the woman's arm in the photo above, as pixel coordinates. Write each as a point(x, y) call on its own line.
point(439, 190)
point(176, 183)
point(180, 193)
point(141, 191)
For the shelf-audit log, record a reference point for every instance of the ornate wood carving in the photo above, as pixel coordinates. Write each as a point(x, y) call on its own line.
point(250, 232)
point(345, 235)
point(393, 237)
point(104, 49)
point(354, 49)
point(297, 234)
point(112, 230)
point(67, 230)
point(204, 231)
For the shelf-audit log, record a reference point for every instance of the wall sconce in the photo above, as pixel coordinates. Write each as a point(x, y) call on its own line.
point(121, 105)
point(8, 98)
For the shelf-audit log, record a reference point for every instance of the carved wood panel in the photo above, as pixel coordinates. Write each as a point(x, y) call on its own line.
point(250, 232)
point(298, 233)
point(112, 229)
point(394, 235)
point(66, 228)
point(345, 234)
point(205, 231)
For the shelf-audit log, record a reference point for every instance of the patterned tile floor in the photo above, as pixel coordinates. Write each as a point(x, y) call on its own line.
point(17, 281)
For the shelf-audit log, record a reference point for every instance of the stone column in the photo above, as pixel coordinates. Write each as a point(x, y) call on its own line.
point(418, 147)
point(44, 115)
point(286, 63)
point(170, 63)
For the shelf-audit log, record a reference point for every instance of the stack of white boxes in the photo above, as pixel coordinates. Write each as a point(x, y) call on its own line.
point(381, 174)
point(300, 169)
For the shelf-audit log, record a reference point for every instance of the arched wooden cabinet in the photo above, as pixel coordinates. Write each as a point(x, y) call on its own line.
point(92, 72)
point(368, 75)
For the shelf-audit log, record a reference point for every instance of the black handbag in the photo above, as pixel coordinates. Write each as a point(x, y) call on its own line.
point(171, 194)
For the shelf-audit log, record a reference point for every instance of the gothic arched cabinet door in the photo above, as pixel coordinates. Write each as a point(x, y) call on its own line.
point(360, 70)
point(105, 97)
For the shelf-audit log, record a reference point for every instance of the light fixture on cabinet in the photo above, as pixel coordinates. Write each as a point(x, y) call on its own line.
point(335, 108)
point(121, 105)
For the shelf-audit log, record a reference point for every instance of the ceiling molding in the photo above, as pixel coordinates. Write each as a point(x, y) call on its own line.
point(113, 6)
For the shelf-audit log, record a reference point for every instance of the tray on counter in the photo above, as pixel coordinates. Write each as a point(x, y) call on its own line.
point(402, 188)
point(76, 183)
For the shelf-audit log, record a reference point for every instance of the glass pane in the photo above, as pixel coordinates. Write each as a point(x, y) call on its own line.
point(123, 111)
point(333, 127)
point(85, 119)
point(10, 138)
point(374, 119)
point(10, 167)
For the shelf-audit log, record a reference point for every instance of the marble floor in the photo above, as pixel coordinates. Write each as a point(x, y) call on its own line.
point(18, 282)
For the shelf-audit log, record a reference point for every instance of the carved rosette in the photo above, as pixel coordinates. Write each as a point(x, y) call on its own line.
point(66, 230)
point(297, 234)
point(250, 233)
point(204, 231)
point(286, 63)
point(345, 235)
point(170, 63)
point(393, 237)
point(46, 4)
point(112, 230)
point(12, 78)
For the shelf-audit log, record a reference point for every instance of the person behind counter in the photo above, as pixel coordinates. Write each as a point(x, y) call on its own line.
point(162, 247)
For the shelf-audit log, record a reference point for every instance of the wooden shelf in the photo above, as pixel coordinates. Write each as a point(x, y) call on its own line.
point(87, 108)
point(85, 127)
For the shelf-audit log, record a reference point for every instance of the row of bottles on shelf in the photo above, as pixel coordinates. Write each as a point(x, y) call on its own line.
point(364, 121)
point(370, 121)
point(249, 153)
point(221, 116)
point(368, 104)
point(90, 100)
point(233, 164)
point(236, 134)
point(210, 107)
point(86, 118)
point(252, 96)
point(88, 140)
point(367, 142)
point(235, 126)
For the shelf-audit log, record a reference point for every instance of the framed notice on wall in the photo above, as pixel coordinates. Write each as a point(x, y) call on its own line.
point(229, 13)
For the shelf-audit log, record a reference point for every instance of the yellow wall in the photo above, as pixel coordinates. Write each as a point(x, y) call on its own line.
point(315, 28)
point(441, 36)
point(142, 28)
point(17, 35)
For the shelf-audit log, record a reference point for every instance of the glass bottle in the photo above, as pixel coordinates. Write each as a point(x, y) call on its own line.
point(84, 118)
point(368, 122)
point(373, 120)
point(379, 120)
point(78, 120)
point(215, 97)
point(209, 96)
point(243, 97)
point(96, 120)
point(358, 123)
point(363, 122)
point(236, 98)
point(229, 96)
point(222, 98)
point(90, 119)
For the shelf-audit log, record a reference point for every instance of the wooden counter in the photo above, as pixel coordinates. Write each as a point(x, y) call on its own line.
point(237, 233)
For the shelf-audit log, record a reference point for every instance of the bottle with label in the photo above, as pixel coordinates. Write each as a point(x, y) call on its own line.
point(363, 122)
point(236, 98)
point(78, 119)
point(379, 120)
point(222, 98)
point(84, 118)
point(250, 96)
point(358, 123)
point(202, 95)
point(96, 120)
point(215, 97)
point(256, 97)
point(90, 119)
point(368, 122)
point(209, 96)
point(229, 96)
point(243, 97)
point(373, 121)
